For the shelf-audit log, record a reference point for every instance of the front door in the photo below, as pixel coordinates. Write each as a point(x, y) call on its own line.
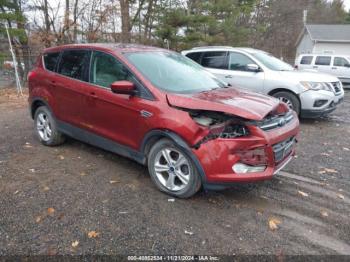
point(341, 68)
point(114, 116)
point(238, 74)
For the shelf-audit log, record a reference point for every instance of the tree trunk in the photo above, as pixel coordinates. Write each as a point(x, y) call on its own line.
point(47, 41)
point(75, 20)
point(65, 33)
point(124, 9)
point(147, 21)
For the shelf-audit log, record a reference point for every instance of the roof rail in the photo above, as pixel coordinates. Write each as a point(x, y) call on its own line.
point(212, 46)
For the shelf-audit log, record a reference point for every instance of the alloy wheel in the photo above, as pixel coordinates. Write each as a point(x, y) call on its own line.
point(287, 101)
point(172, 169)
point(43, 126)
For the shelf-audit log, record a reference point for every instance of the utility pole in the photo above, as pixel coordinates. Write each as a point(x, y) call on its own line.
point(18, 82)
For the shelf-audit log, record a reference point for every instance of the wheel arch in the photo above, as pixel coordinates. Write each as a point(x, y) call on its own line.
point(274, 91)
point(36, 103)
point(155, 135)
point(282, 89)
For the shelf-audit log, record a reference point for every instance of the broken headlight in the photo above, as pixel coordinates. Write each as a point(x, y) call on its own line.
point(203, 120)
point(234, 131)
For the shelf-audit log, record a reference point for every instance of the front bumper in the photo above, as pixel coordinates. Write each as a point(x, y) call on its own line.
point(310, 97)
point(218, 156)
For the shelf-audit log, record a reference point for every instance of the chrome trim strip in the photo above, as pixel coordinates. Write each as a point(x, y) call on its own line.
point(283, 165)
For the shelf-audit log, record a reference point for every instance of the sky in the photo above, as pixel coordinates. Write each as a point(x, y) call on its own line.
point(347, 4)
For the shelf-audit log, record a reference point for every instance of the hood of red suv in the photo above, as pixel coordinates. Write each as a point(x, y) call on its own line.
point(233, 101)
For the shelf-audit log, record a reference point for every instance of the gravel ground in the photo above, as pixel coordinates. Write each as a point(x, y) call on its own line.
point(78, 199)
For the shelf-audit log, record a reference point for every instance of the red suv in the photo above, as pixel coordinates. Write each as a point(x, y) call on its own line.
point(164, 111)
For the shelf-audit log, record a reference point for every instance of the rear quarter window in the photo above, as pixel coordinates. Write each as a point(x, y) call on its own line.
point(50, 60)
point(306, 60)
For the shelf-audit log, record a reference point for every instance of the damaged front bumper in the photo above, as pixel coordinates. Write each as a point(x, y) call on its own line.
point(224, 159)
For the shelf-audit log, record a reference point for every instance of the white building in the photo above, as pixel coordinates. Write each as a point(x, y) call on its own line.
point(324, 39)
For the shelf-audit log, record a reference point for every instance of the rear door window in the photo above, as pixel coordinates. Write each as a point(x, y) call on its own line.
point(217, 59)
point(75, 64)
point(196, 56)
point(50, 60)
point(323, 60)
point(306, 60)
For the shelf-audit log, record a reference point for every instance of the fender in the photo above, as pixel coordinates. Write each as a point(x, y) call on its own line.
point(158, 133)
point(44, 96)
point(36, 100)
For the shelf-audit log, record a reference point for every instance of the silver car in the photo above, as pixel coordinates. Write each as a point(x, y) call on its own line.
point(310, 94)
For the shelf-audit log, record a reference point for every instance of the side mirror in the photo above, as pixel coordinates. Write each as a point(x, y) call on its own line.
point(253, 68)
point(347, 65)
point(123, 87)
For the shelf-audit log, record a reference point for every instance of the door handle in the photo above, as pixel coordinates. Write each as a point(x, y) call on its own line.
point(315, 67)
point(93, 94)
point(53, 82)
point(334, 68)
point(228, 76)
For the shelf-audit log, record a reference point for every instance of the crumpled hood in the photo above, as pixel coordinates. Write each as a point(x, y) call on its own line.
point(306, 75)
point(233, 101)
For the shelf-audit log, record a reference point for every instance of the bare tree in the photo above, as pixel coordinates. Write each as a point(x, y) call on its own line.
point(125, 16)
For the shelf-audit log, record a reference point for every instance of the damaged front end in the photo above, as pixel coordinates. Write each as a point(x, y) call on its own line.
point(238, 149)
point(219, 125)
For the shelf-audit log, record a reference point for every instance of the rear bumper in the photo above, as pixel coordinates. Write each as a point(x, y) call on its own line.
point(217, 157)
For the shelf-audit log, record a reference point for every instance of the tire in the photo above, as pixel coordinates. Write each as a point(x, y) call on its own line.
point(180, 178)
point(46, 127)
point(290, 99)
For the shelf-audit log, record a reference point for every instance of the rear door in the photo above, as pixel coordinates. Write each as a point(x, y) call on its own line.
point(216, 62)
point(323, 64)
point(70, 85)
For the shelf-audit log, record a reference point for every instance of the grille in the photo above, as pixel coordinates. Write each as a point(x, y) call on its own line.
point(276, 121)
point(283, 149)
point(336, 87)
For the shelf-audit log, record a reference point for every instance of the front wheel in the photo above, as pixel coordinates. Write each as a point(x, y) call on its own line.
point(290, 99)
point(172, 171)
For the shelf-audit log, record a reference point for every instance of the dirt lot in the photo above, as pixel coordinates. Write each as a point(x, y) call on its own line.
point(77, 199)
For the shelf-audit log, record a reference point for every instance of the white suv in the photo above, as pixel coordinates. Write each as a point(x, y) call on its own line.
point(337, 65)
point(309, 94)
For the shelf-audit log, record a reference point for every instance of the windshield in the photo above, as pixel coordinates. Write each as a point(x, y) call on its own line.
point(272, 62)
point(173, 72)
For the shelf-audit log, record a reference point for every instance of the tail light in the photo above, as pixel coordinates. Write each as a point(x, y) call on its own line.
point(31, 74)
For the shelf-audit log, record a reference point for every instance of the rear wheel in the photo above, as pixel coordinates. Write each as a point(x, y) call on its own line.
point(290, 99)
point(172, 171)
point(46, 127)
